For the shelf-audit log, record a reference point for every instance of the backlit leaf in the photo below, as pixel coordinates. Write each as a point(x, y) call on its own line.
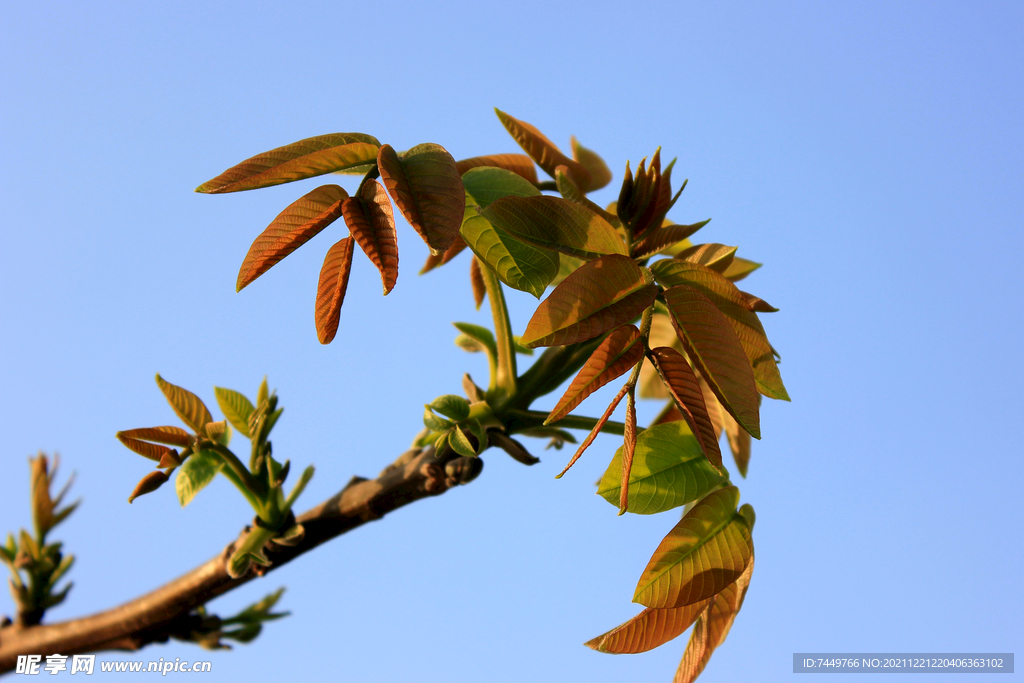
point(739, 442)
point(519, 265)
point(303, 159)
point(451, 406)
point(596, 429)
point(713, 627)
point(648, 630)
point(172, 436)
point(198, 471)
point(476, 280)
point(570, 191)
point(520, 164)
point(147, 450)
point(427, 187)
point(682, 384)
point(662, 334)
point(436, 260)
point(370, 220)
point(149, 483)
point(706, 551)
point(460, 443)
point(614, 357)
point(712, 345)
point(736, 306)
point(628, 450)
point(485, 185)
point(669, 470)
point(187, 405)
point(599, 296)
point(717, 257)
point(757, 304)
point(543, 151)
point(598, 170)
point(236, 408)
point(657, 240)
point(554, 223)
point(301, 221)
point(740, 268)
point(330, 291)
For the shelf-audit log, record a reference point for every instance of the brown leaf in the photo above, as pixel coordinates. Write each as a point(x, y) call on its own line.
point(149, 483)
point(172, 436)
point(146, 449)
point(662, 334)
point(426, 185)
point(543, 151)
point(664, 237)
point(619, 352)
point(686, 392)
point(188, 407)
point(712, 627)
point(303, 159)
point(370, 220)
point(596, 430)
point(649, 629)
point(600, 175)
point(520, 164)
point(330, 291)
point(476, 279)
point(628, 448)
point(301, 221)
point(717, 257)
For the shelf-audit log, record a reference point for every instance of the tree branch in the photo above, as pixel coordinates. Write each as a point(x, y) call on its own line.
point(168, 610)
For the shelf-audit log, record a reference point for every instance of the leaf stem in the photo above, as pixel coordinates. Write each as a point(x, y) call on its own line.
point(239, 476)
point(505, 379)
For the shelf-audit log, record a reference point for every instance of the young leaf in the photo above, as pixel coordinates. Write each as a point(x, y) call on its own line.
point(737, 307)
point(554, 223)
point(614, 357)
point(598, 170)
point(236, 409)
point(662, 334)
point(712, 627)
point(739, 269)
point(476, 280)
point(685, 390)
point(301, 221)
point(739, 442)
point(149, 483)
point(713, 347)
point(198, 471)
point(626, 456)
point(668, 470)
point(570, 191)
point(435, 260)
point(303, 159)
point(460, 443)
point(596, 429)
point(370, 220)
point(427, 187)
point(172, 436)
point(600, 296)
point(451, 406)
point(717, 257)
point(543, 151)
point(146, 449)
point(657, 240)
point(486, 185)
point(648, 630)
point(330, 291)
point(520, 164)
point(520, 266)
point(187, 405)
point(706, 551)
point(480, 334)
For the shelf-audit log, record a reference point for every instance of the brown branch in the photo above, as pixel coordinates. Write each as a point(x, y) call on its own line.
point(168, 610)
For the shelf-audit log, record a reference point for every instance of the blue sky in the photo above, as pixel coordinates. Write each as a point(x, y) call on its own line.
point(871, 155)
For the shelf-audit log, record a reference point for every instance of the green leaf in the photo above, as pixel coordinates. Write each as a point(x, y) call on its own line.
point(599, 296)
point(712, 627)
point(198, 471)
point(187, 405)
point(480, 334)
point(460, 443)
point(669, 470)
point(451, 406)
point(330, 291)
point(614, 357)
point(486, 184)
point(426, 185)
point(433, 422)
point(685, 390)
point(542, 150)
point(303, 159)
point(236, 409)
point(648, 630)
point(520, 164)
point(372, 223)
point(301, 221)
point(712, 345)
point(740, 268)
point(706, 551)
point(520, 266)
point(557, 224)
